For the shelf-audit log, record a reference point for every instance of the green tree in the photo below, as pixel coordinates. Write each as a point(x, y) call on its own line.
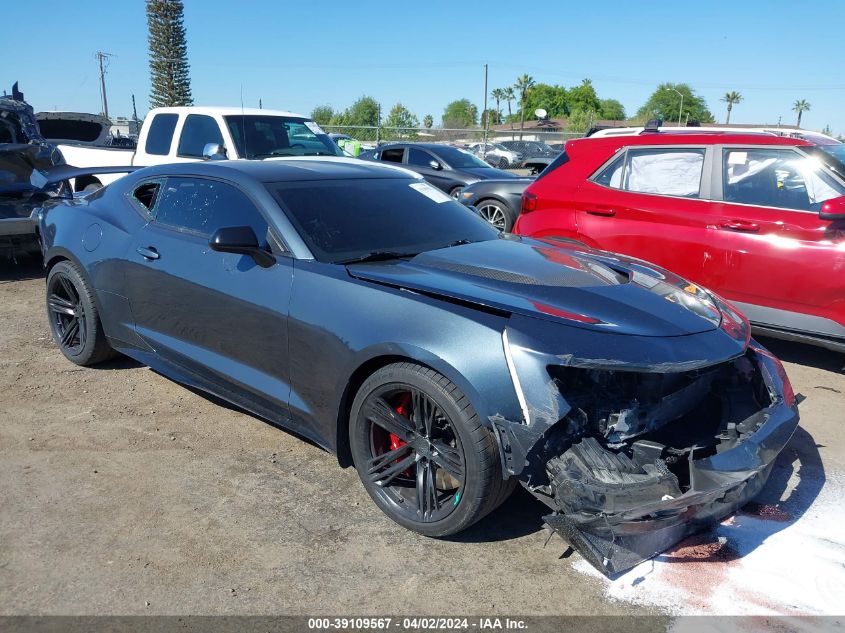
point(322, 115)
point(583, 97)
point(169, 70)
point(403, 122)
point(428, 121)
point(801, 106)
point(493, 115)
point(510, 95)
point(553, 99)
point(460, 114)
point(523, 85)
point(498, 95)
point(664, 103)
point(611, 110)
point(579, 121)
point(731, 99)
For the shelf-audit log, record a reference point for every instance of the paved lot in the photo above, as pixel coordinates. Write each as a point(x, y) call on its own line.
point(122, 492)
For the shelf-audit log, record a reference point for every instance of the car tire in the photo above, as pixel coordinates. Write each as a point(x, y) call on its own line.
point(392, 465)
point(74, 320)
point(497, 214)
point(503, 163)
point(455, 192)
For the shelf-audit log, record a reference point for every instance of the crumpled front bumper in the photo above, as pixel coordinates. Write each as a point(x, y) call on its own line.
point(719, 485)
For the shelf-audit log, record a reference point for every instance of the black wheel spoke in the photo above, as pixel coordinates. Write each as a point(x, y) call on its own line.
point(61, 306)
point(71, 330)
point(385, 476)
point(449, 459)
point(379, 462)
point(427, 503)
point(381, 413)
point(68, 288)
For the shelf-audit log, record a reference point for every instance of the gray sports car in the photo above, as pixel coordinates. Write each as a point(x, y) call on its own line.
point(364, 309)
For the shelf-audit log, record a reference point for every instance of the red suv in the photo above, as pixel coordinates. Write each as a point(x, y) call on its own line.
point(758, 218)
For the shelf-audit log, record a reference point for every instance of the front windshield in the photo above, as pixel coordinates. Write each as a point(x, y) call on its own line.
point(263, 136)
point(344, 220)
point(458, 158)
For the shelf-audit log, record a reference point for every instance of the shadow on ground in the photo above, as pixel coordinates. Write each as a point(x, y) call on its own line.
point(20, 269)
point(803, 354)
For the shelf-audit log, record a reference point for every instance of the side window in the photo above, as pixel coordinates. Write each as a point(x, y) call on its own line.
point(419, 157)
point(611, 175)
point(666, 172)
point(161, 134)
point(776, 178)
point(203, 206)
point(198, 130)
point(146, 195)
point(392, 155)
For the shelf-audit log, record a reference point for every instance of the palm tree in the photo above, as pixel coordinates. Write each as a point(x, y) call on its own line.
point(498, 95)
point(523, 85)
point(731, 98)
point(509, 96)
point(801, 106)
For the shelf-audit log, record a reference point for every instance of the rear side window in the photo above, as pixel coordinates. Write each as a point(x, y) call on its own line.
point(198, 131)
point(203, 206)
point(161, 134)
point(146, 195)
point(666, 172)
point(660, 171)
point(392, 155)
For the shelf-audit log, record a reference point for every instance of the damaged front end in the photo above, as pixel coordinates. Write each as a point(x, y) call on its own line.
point(635, 453)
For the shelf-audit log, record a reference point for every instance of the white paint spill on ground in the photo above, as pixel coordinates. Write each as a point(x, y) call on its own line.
point(753, 564)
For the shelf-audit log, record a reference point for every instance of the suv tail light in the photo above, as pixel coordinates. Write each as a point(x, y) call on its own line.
point(529, 202)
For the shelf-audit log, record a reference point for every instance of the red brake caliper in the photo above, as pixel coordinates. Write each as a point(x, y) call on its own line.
point(395, 441)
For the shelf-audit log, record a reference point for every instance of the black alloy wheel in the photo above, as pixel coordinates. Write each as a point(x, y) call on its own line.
point(74, 320)
point(421, 452)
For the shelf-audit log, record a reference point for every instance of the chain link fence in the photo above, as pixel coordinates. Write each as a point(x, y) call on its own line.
point(379, 134)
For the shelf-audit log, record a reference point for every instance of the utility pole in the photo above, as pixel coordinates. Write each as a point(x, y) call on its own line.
point(103, 57)
point(485, 114)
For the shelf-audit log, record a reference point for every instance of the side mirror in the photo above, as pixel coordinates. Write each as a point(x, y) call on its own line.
point(435, 165)
point(833, 209)
point(241, 239)
point(214, 151)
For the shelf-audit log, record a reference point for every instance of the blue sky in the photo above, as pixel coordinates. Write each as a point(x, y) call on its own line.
point(296, 55)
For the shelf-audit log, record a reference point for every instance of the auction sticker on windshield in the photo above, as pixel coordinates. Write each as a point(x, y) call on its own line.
point(430, 192)
point(316, 129)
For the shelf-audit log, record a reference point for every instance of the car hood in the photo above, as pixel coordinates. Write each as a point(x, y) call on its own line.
point(567, 283)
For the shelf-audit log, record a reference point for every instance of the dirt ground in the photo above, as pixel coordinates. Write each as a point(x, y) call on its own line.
point(122, 492)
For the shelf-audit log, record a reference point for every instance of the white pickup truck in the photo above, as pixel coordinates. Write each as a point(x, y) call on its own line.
point(178, 135)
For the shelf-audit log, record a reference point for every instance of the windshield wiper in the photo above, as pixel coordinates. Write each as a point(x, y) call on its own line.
point(376, 256)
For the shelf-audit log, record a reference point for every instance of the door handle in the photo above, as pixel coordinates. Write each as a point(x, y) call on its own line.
point(608, 213)
point(148, 252)
point(738, 225)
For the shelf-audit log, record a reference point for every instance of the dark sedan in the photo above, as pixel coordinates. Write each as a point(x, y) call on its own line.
point(366, 310)
point(497, 201)
point(448, 168)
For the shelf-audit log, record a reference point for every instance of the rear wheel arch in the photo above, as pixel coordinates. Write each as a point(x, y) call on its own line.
point(58, 255)
point(376, 362)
